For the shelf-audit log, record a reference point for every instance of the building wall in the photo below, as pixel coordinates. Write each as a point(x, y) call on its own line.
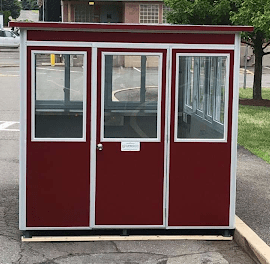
point(132, 10)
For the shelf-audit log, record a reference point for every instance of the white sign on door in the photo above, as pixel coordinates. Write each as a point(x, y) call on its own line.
point(130, 146)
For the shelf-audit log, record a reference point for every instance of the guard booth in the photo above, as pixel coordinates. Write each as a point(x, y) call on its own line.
point(128, 126)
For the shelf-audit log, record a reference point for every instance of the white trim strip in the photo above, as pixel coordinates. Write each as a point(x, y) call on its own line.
point(23, 125)
point(125, 238)
point(234, 129)
point(58, 228)
point(93, 142)
point(138, 53)
point(130, 226)
point(166, 136)
point(224, 139)
point(199, 227)
point(33, 138)
point(127, 227)
point(129, 45)
point(168, 128)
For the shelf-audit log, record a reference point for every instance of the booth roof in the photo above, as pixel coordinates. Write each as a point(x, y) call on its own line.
point(130, 27)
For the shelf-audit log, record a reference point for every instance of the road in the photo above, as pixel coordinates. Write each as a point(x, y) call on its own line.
point(250, 77)
point(12, 250)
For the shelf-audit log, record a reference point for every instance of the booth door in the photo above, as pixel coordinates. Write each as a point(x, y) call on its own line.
point(130, 138)
point(200, 147)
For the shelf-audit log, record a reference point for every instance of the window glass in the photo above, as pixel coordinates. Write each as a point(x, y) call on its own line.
point(131, 92)
point(59, 86)
point(201, 97)
point(84, 13)
point(149, 13)
point(8, 34)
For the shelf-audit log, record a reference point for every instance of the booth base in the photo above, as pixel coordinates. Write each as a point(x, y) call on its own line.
point(119, 238)
point(125, 234)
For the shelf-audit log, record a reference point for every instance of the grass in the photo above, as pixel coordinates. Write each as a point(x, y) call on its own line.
point(254, 125)
point(247, 93)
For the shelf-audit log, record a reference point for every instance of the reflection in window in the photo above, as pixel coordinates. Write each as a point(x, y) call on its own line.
point(131, 92)
point(201, 97)
point(59, 96)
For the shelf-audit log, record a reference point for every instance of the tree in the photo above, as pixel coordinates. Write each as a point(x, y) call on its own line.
point(13, 6)
point(255, 13)
point(200, 12)
point(225, 12)
point(29, 4)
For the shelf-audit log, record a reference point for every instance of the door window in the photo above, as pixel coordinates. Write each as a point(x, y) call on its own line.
point(59, 96)
point(131, 96)
point(201, 96)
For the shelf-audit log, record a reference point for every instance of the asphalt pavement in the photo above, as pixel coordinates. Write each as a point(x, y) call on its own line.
point(253, 196)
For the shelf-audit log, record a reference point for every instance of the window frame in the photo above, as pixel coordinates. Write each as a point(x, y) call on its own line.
point(159, 106)
point(202, 114)
point(33, 101)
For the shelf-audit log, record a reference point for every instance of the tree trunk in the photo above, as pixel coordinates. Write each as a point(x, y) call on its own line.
point(257, 84)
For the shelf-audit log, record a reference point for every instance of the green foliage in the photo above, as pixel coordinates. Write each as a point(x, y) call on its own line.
point(6, 14)
point(254, 130)
point(200, 12)
point(255, 13)
point(29, 5)
point(13, 6)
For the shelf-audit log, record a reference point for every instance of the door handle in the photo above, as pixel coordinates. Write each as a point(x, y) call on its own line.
point(99, 147)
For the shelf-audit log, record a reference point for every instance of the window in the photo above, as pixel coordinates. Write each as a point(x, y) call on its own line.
point(132, 95)
point(149, 13)
point(59, 95)
point(166, 9)
point(202, 86)
point(84, 13)
point(9, 34)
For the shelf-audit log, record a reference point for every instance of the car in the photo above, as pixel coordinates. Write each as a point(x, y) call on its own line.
point(8, 39)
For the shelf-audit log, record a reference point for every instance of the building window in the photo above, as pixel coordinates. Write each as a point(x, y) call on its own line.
point(84, 13)
point(149, 14)
point(166, 9)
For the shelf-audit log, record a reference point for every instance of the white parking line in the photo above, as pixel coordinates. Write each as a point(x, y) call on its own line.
point(136, 69)
point(5, 124)
point(55, 70)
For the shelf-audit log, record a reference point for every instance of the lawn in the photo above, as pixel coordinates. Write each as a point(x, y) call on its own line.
point(254, 125)
point(247, 93)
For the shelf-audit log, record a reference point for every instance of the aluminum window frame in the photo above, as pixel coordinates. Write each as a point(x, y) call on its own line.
point(33, 101)
point(226, 100)
point(160, 73)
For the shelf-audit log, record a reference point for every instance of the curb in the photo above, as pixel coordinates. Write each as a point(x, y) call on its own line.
point(251, 243)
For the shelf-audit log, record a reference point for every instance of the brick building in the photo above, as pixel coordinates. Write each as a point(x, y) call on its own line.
point(114, 11)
